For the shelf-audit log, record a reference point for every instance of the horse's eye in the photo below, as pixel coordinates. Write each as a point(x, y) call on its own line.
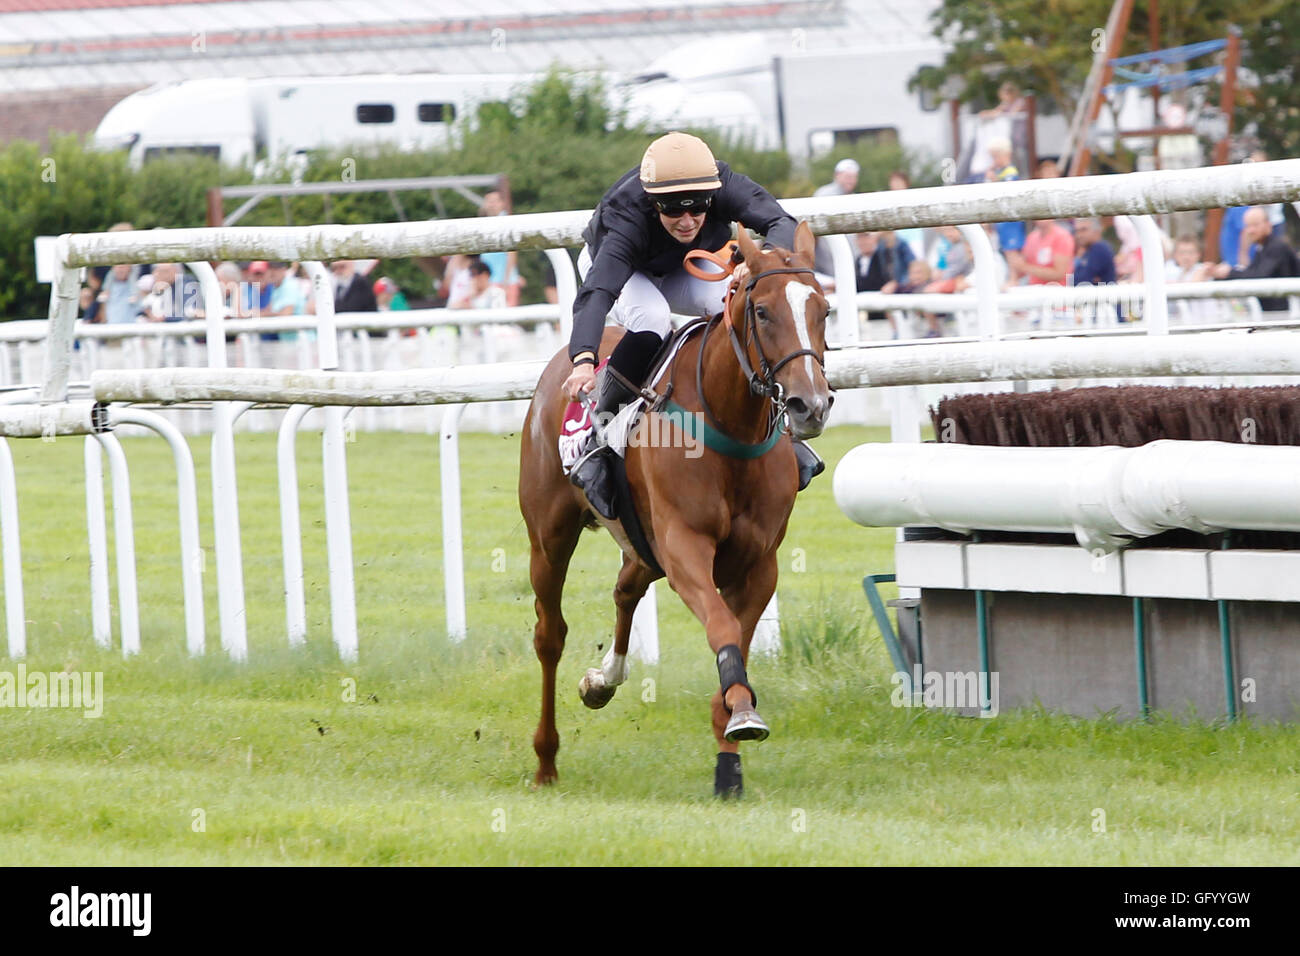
point(761, 313)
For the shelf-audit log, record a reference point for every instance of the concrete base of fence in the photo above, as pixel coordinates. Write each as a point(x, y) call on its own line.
point(1076, 653)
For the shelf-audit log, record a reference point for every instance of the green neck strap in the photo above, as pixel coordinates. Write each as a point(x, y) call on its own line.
point(693, 423)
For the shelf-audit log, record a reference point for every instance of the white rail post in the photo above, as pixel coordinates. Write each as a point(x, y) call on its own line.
point(453, 553)
point(566, 287)
point(97, 535)
point(846, 289)
point(338, 518)
point(188, 508)
point(225, 496)
point(986, 280)
point(15, 609)
point(124, 531)
point(65, 294)
point(1153, 275)
point(295, 601)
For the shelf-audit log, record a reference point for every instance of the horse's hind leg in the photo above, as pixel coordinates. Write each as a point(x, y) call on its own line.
point(598, 685)
point(547, 568)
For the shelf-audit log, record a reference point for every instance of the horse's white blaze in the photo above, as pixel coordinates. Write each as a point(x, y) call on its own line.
point(797, 293)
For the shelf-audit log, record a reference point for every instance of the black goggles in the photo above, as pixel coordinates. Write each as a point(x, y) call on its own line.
point(675, 206)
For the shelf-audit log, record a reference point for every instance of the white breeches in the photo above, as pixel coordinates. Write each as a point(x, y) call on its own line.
point(647, 301)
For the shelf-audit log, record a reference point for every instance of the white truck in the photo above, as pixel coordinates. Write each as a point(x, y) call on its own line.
point(243, 121)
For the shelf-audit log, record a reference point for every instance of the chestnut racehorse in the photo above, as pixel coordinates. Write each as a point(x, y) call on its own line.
point(713, 521)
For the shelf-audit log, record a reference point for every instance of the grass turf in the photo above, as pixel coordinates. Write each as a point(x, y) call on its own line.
point(421, 752)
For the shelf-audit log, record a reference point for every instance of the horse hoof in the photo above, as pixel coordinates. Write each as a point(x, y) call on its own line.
point(727, 780)
point(745, 724)
point(544, 778)
point(593, 690)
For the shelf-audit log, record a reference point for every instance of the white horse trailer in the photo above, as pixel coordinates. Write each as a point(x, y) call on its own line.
point(242, 121)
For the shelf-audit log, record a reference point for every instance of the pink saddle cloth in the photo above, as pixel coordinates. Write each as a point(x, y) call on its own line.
point(575, 429)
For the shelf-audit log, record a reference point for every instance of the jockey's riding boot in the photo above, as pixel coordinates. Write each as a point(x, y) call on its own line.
point(631, 358)
point(591, 472)
point(810, 464)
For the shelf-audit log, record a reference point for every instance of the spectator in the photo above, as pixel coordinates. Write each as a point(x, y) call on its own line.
point(1047, 256)
point(286, 291)
point(1096, 264)
point(119, 299)
point(232, 293)
point(913, 237)
point(173, 295)
point(1128, 259)
point(389, 296)
point(1048, 169)
point(1001, 169)
point(1011, 235)
point(93, 305)
point(919, 278)
point(482, 293)
point(550, 290)
point(455, 279)
point(1010, 102)
point(352, 293)
point(951, 260)
point(1233, 247)
point(843, 182)
point(886, 267)
point(867, 243)
point(503, 265)
point(1186, 266)
point(257, 290)
point(1273, 259)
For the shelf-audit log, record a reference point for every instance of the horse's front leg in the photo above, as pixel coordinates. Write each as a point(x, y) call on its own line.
point(598, 685)
point(747, 599)
point(689, 566)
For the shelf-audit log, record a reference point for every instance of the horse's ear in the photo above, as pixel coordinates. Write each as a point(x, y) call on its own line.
point(805, 243)
point(746, 244)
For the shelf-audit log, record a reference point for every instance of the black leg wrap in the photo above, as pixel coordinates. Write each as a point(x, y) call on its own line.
point(727, 780)
point(731, 670)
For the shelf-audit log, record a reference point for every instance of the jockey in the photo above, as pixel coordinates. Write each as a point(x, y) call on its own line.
point(679, 199)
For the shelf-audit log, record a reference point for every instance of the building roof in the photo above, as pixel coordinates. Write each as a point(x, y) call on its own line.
point(134, 43)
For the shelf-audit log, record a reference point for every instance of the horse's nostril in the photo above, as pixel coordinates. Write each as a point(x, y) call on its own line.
point(797, 406)
point(830, 400)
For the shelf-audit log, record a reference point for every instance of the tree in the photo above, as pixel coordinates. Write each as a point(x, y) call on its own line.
point(1047, 47)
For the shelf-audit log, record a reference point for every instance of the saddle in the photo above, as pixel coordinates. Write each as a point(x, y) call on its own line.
point(578, 425)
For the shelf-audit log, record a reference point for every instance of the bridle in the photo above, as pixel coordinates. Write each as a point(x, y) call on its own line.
point(762, 382)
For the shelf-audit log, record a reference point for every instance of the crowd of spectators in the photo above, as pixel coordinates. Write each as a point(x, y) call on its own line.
point(1089, 251)
point(166, 292)
point(1085, 251)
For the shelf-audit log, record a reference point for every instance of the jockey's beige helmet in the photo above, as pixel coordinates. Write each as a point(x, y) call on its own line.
point(678, 163)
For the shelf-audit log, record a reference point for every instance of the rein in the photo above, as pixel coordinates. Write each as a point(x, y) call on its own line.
point(762, 383)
